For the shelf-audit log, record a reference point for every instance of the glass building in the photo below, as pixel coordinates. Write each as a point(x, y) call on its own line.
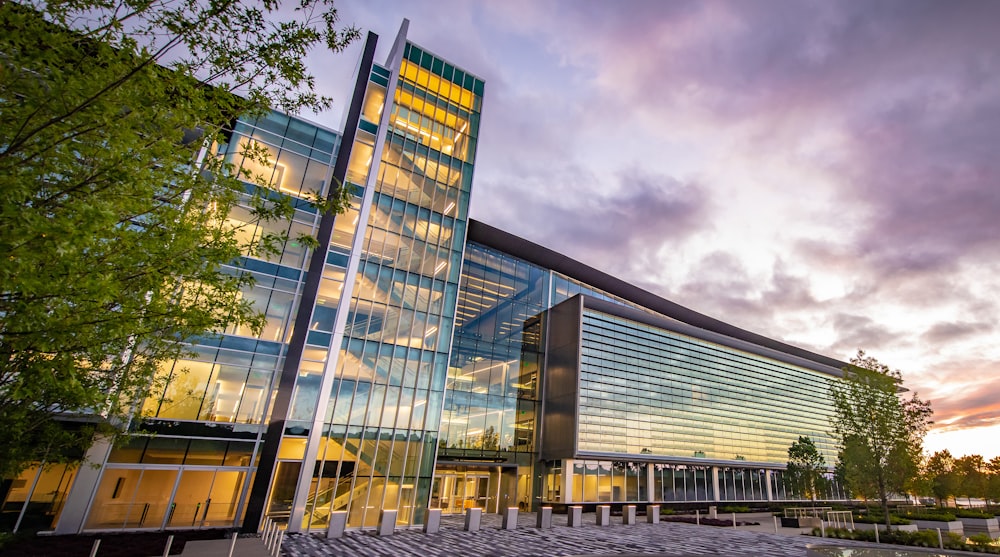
point(417, 359)
point(568, 385)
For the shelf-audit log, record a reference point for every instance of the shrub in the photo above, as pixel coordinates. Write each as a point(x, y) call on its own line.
point(970, 513)
point(924, 538)
point(734, 509)
point(879, 519)
point(981, 539)
point(931, 515)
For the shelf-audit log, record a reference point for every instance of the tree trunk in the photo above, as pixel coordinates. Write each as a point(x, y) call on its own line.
point(885, 503)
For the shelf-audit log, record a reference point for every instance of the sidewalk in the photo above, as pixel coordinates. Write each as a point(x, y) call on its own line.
point(666, 538)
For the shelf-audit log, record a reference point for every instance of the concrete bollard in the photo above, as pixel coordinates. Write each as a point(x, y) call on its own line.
point(338, 524)
point(544, 517)
point(574, 516)
point(822, 528)
point(775, 525)
point(603, 515)
point(432, 521)
point(697, 517)
point(940, 539)
point(653, 514)
point(876, 533)
point(628, 515)
point(734, 520)
point(473, 517)
point(713, 512)
point(387, 522)
point(510, 518)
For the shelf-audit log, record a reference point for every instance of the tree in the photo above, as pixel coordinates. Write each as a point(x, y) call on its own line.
point(806, 468)
point(972, 476)
point(857, 481)
point(881, 434)
point(112, 217)
point(993, 481)
point(940, 477)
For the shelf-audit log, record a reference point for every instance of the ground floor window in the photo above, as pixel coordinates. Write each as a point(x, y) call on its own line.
point(607, 481)
point(167, 497)
point(682, 482)
point(34, 499)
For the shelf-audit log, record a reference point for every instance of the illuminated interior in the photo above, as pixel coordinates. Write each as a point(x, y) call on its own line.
point(433, 111)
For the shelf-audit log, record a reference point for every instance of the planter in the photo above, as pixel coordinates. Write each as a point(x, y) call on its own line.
point(881, 527)
point(987, 526)
point(802, 522)
point(955, 526)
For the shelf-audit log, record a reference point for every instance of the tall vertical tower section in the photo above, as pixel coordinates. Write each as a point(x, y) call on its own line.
point(355, 423)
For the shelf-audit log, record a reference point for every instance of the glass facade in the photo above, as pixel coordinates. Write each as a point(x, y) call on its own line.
point(380, 422)
point(209, 416)
point(605, 481)
point(665, 416)
point(646, 390)
point(682, 482)
point(493, 385)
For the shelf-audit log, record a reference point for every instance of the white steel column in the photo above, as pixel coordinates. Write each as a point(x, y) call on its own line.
point(650, 484)
point(715, 483)
point(344, 307)
point(567, 481)
point(74, 513)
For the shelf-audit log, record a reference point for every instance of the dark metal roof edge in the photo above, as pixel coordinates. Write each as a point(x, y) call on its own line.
point(506, 242)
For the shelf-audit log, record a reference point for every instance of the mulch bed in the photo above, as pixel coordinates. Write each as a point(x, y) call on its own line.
point(146, 544)
point(706, 521)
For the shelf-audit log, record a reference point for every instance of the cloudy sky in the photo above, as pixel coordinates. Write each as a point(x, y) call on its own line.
point(824, 173)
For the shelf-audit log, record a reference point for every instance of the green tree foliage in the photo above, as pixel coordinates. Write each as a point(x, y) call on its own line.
point(111, 239)
point(806, 468)
point(881, 433)
point(972, 475)
point(993, 480)
point(853, 477)
point(939, 476)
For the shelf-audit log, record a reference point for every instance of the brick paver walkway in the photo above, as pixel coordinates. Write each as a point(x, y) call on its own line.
point(667, 538)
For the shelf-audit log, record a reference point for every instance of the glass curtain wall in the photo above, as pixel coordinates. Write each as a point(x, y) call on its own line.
point(381, 427)
point(649, 390)
point(209, 416)
point(493, 378)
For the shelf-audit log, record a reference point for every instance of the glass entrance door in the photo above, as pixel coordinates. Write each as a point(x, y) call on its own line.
point(454, 492)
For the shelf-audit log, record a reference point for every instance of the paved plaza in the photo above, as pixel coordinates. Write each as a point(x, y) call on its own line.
point(666, 538)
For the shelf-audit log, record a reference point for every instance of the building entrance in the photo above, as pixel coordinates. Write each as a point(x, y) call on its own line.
point(457, 488)
point(456, 491)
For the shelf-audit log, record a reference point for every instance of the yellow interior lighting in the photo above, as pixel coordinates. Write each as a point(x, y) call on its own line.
point(446, 89)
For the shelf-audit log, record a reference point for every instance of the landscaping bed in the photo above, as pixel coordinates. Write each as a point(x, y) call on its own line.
point(707, 521)
point(924, 538)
